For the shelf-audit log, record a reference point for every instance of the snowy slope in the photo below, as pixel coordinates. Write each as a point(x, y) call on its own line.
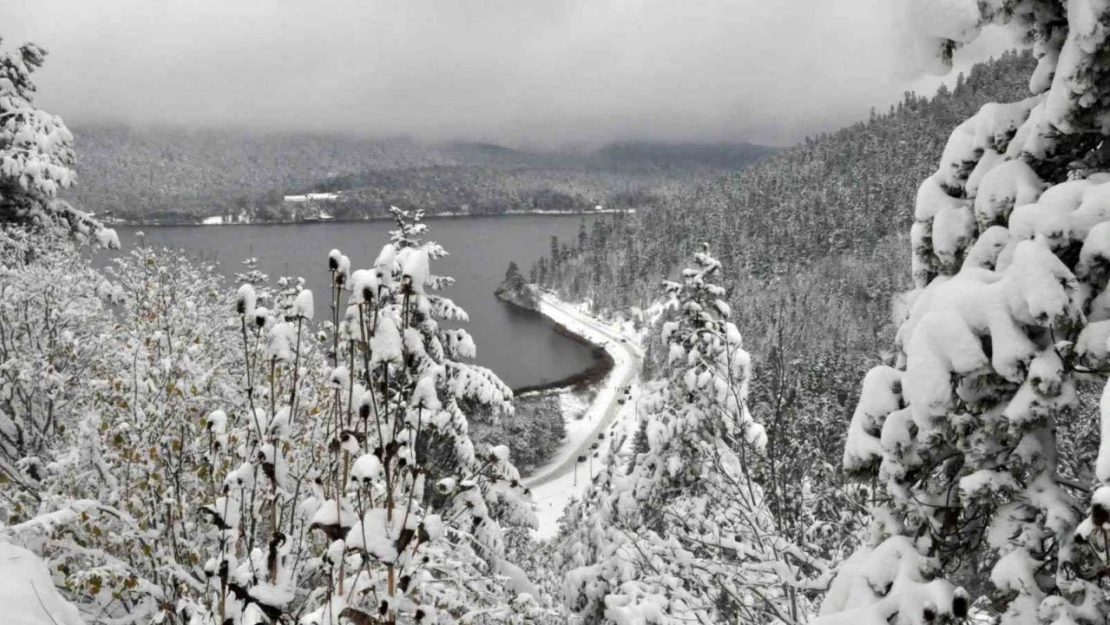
point(27, 594)
point(555, 483)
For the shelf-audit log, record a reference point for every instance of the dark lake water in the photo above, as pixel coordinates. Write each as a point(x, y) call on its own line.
point(520, 347)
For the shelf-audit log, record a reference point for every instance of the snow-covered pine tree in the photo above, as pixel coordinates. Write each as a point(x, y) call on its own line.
point(513, 280)
point(969, 436)
point(36, 155)
point(686, 535)
point(387, 513)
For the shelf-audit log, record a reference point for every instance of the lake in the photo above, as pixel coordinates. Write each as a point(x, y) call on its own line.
point(521, 347)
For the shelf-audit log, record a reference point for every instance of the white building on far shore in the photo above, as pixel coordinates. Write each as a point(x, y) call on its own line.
point(313, 197)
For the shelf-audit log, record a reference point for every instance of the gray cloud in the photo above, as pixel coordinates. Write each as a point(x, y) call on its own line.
point(517, 71)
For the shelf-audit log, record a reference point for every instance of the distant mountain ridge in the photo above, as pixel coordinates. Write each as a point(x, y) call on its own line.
point(848, 194)
point(179, 175)
point(815, 231)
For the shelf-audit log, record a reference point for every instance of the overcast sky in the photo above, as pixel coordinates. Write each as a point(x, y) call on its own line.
point(511, 71)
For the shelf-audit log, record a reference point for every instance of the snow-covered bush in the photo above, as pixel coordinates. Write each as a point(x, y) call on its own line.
point(106, 380)
point(685, 535)
point(353, 490)
point(1003, 331)
point(178, 455)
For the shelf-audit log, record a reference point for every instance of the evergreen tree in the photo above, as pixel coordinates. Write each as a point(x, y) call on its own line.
point(976, 437)
point(36, 155)
point(686, 535)
point(555, 257)
point(513, 280)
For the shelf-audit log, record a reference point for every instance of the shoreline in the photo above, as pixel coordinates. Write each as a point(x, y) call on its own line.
point(603, 362)
point(595, 373)
point(301, 222)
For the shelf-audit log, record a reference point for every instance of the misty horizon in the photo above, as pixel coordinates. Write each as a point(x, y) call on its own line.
point(566, 74)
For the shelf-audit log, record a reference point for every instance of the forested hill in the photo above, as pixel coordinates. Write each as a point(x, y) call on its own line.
point(837, 199)
point(812, 249)
point(182, 175)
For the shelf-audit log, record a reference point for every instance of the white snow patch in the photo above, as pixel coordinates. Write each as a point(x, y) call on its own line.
point(27, 593)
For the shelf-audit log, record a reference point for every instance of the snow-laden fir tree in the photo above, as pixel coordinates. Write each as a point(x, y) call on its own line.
point(685, 535)
point(985, 502)
point(356, 494)
point(36, 155)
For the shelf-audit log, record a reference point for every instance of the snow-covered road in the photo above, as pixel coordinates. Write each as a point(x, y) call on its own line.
point(554, 484)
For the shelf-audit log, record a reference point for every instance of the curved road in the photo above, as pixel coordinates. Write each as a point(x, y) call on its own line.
point(620, 377)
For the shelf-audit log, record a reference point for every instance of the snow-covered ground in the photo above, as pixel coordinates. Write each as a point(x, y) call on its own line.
point(27, 594)
point(606, 423)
